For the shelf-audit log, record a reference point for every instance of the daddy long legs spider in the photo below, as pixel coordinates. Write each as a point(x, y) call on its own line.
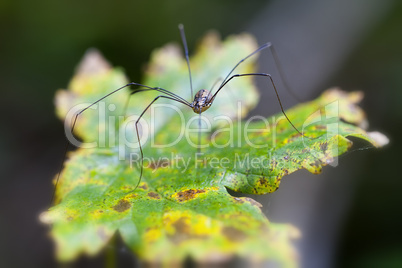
point(202, 101)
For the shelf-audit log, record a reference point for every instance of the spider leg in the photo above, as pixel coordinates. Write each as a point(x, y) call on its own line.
point(147, 88)
point(72, 131)
point(144, 88)
point(273, 84)
point(183, 39)
point(277, 64)
point(230, 93)
point(215, 83)
point(248, 56)
point(199, 134)
point(159, 89)
point(281, 72)
point(138, 136)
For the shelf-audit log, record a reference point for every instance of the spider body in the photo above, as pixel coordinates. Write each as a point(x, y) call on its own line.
point(202, 101)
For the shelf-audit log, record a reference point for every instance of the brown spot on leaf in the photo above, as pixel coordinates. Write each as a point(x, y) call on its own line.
point(154, 195)
point(233, 234)
point(181, 226)
point(131, 196)
point(293, 137)
point(143, 186)
point(188, 194)
point(316, 163)
point(324, 146)
point(263, 181)
point(123, 205)
point(182, 231)
point(323, 127)
point(159, 164)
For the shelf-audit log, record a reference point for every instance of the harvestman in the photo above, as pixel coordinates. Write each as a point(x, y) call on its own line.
point(203, 99)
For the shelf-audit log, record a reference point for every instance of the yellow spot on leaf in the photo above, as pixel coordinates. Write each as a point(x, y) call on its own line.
point(152, 234)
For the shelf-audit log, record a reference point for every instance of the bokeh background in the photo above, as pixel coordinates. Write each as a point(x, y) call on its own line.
point(350, 216)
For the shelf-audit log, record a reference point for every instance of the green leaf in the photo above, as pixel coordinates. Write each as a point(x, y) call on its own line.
point(182, 207)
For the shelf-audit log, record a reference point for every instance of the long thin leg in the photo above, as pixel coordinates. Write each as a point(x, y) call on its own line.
point(214, 84)
point(199, 134)
point(281, 72)
point(183, 39)
point(159, 89)
point(72, 130)
point(230, 93)
point(138, 136)
point(277, 64)
point(145, 88)
point(273, 84)
point(139, 90)
point(251, 54)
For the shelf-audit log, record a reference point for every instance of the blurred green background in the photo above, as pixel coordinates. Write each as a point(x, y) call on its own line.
point(321, 43)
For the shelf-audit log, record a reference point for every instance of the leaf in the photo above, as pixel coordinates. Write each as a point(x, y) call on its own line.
point(167, 69)
point(182, 207)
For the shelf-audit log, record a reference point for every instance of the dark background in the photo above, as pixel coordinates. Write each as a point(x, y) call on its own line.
point(350, 216)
